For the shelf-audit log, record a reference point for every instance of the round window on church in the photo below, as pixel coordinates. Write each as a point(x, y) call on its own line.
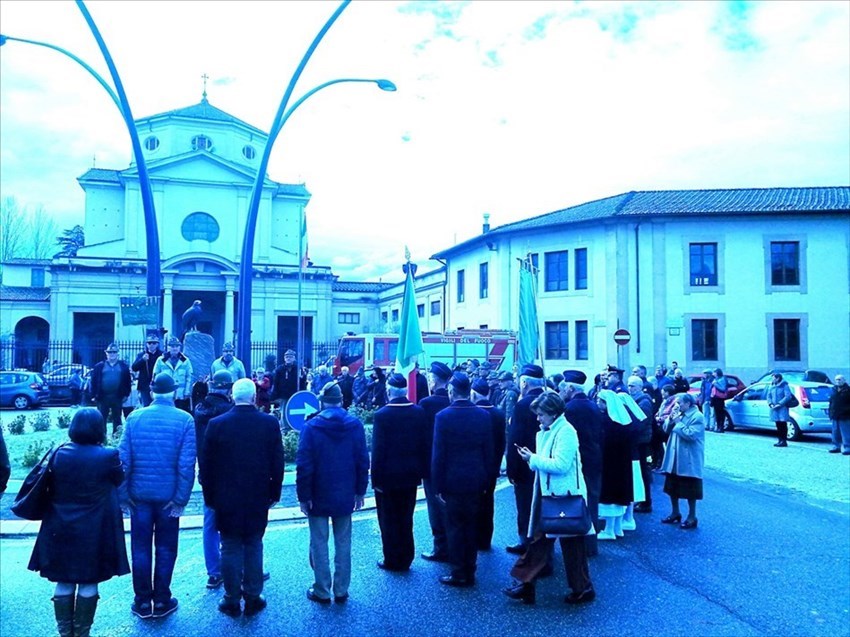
point(200, 225)
point(152, 143)
point(202, 142)
point(248, 152)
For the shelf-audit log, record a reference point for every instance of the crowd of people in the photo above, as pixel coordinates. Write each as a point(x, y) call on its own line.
point(549, 435)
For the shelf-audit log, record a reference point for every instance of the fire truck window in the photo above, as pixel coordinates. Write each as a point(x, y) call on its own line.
point(350, 352)
point(380, 350)
point(393, 350)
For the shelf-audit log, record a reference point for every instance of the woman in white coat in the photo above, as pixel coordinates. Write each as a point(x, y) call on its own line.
point(557, 471)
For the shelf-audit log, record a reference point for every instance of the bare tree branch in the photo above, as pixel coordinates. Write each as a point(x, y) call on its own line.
point(12, 230)
point(42, 235)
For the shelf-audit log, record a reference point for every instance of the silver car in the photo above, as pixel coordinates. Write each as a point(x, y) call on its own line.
point(749, 409)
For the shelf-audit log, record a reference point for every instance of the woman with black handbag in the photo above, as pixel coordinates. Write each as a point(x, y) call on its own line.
point(81, 540)
point(557, 472)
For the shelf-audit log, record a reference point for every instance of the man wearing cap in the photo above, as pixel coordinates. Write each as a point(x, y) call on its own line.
point(157, 451)
point(215, 403)
point(522, 432)
point(227, 361)
point(360, 387)
point(399, 458)
point(480, 392)
point(614, 380)
point(332, 472)
point(242, 460)
point(508, 395)
point(286, 381)
point(111, 384)
point(439, 375)
point(175, 364)
point(461, 466)
point(585, 417)
point(144, 366)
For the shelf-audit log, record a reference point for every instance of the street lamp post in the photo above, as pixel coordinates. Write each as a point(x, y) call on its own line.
point(119, 98)
point(243, 314)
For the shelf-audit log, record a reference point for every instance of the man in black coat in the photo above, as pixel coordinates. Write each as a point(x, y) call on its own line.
point(480, 391)
point(522, 432)
point(399, 460)
point(461, 465)
point(438, 377)
point(585, 417)
point(143, 366)
point(243, 460)
point(111, 384)
point(286, 381)
point(346, 385)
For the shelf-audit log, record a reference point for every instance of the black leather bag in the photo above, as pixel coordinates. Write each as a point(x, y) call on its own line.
point(33, 499)
point(564, 514)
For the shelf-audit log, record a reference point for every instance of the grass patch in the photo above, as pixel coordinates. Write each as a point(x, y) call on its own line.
point(19, 445)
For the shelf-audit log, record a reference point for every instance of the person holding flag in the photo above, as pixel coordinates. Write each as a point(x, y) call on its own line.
point(410, 345)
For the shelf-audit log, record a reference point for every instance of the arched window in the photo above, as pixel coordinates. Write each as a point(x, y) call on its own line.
point(200, 225)
point(202, 142)
point(152, 143)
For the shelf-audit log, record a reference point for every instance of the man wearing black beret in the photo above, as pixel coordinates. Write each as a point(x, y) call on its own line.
point(400, 455)
point(480, 393)
point(461, 463)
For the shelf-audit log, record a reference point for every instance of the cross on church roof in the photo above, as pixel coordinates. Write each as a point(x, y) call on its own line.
point(204, 77)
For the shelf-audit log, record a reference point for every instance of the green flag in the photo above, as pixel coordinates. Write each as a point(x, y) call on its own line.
point(409, 336)
point(528, 336)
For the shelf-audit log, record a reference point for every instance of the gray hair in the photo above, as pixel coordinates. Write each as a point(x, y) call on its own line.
point(686, 398)
point(244, 390)
point(396, 392)
point(531, 381)
point(635, 380)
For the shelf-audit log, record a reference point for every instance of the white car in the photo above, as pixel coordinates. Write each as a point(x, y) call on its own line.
point(749, 409)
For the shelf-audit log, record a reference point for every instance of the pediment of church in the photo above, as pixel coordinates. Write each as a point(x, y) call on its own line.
point(198, 166)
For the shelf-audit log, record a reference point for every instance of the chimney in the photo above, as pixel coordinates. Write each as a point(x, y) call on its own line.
point(486, 227)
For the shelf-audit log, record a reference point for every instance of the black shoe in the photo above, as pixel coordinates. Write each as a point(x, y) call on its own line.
point(381, 564)
point(643, 507)
point(516, 549)
point(143, 610)
point(587, 595)
point(341, 599)
point(836, 450)
point(458, 582)
point(311, 595)
point(230, 607)
point(781, 443)
point(526, 593)
point(254, 605)
point(161, 609)
point(214, 581)
point(435, 557)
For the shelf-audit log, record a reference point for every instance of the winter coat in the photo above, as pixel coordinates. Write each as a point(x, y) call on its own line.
point(839, 403)
point(462, 455)
point(346, 384)
point(214, 404)
point(332, 463)
point(643, 428)
point(180, 370)
point(617, 476)
point(264, 400)
point(497, 422)
point(507, 401)
point(779, 395)
point(360, 389)
point(286, 381)
point(522, 431)
point(399, 445)
point(81, 539)
point(235, 367)
point(586, 419)
point(144, 368)
point(158, 453)
point(685, 453)
point(433, 405)
point(5, 465)
point(243, 459)
point(124, 387)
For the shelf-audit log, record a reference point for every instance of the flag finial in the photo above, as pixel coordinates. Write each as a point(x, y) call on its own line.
point(406, 254)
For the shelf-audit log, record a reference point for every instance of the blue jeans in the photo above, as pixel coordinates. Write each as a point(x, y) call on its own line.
point(152, 528)
point(212, 544)
point(841, 432)
point(242, 565)
point(320, 560)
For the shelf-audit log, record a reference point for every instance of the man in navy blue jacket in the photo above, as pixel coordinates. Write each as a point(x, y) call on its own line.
point(461, 465)
point(332, 471)
point(480, 394)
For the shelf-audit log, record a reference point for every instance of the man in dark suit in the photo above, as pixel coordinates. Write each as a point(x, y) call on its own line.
point(522, 432)
point(243, 475)
point(461, 464)
point(399, 457)
point(143, 366)
point(480, 392)
point(111, 384)
point(438, 377)
point(286, 381)
point(585, 417)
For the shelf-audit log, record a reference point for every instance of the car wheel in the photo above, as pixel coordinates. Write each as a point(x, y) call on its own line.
point(730, 426)
point(21, 402)
point(794, 432)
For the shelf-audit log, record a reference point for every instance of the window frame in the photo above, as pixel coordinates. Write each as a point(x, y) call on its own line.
point(348, 318)
point(460, 284)
point(208, 146)
point(702, 258)
point(803, 319)
point(483, 280)
point(436, 303)
point(563, 332)
point(577, 340)
point(578, 269)
point(802, 268)
point(196, 217)
point(562, 257)
point(690, 361)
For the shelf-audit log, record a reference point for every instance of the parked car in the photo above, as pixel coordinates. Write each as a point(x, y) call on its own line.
point(749, 409)
point(797, 375)
point(734, 384)
point(22, 389)
point(57, 381)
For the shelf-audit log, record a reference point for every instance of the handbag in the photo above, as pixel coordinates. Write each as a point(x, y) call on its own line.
point(564, 514)
point(33, 499)
point(717, 393)
point(792, 402)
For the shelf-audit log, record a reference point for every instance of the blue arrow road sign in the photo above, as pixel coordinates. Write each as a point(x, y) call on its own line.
point(299, 407)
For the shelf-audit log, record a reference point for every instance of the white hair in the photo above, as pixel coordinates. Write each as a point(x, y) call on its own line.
point(533, 381)
point(244, 390)
point(396, 392)
point(635, 380)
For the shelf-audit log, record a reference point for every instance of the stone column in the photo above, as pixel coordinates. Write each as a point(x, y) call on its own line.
point(229, 287)
point(167, 311)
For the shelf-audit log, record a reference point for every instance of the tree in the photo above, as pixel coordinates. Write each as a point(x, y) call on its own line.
point(42, 234)
point(12, 230)
point(71, 240)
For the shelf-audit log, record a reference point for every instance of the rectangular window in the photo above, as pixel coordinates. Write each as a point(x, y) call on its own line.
point(483, 280)
point(556, 271)
point(704, 340)
point(581, 341)
point(349, 317)
point(580, 255)
point(384, 317)
point(37, 277)
point(535, 264)
point(420, 310)
point(703, 264)
point(557, 339)
point(435, 308)
point(786, 339)
point(461, 286)
point(785, 263)
point(395, 316)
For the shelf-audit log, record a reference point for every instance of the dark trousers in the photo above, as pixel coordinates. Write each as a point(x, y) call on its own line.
point(185, 404)
point(644, 450)
point(395, 517)
point(461, 510)
point(152, 527)
point(657, 447)
point(523, 492)
point(594, 486)
point(782, 430)
point(435, 517)
point(574, 551)
point(76, 396)
point(242, 565)
point(719, 408)
point(145, 396)
point(484, 525)
point(110, 408)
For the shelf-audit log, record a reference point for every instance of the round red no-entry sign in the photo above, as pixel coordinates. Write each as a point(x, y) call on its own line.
point(622, 337)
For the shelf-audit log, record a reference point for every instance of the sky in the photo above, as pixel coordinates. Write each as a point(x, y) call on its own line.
point(511, 108)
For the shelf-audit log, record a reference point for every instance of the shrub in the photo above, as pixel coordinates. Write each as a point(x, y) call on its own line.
point(17, 425)
point(41, 421)
point(63, 421)
point(290, 445)
point(368, 430)
point(364, 414)
point(34, 453)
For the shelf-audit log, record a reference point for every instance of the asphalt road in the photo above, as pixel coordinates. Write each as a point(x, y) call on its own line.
point(764, 561)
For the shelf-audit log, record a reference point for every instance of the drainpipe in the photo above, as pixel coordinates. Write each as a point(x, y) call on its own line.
point(637, 287)
point(445, 283)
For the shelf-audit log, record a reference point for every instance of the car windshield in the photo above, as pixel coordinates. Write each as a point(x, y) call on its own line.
point(819, 394)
